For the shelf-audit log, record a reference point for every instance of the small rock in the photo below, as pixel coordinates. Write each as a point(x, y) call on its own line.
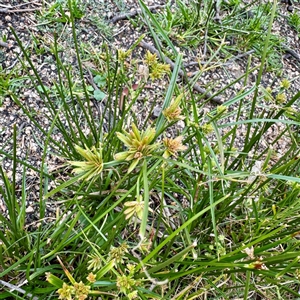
point(156, 111)
point(29, 210)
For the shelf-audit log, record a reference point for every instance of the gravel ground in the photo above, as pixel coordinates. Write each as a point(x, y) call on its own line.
point(36, 33)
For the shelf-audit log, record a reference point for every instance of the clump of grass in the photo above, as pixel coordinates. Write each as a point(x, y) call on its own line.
point(199, 24)
point(155, 210)
point(294, 21)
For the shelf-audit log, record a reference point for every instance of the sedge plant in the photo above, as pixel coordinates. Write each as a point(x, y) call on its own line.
point(148, 209)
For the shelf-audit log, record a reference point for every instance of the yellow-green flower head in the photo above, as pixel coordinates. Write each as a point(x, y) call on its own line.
point(280, 98)
point(118, 253)
point(150, 59)
point(291, 111)
point(81, 290)
point(221, 109)
point(157, 70)
point(173, 146)
point(173, 112)
point(125, 283)
point(91, 277)
point(93, 164)
point(131, 268)
point(269, 89)
point(207, 128)
point(268, 94)
point(123, 54)
point(138, 144)
point(65, 293)
point(285, 83)
point(132, 295)
point(95, 262)
point(134, 208)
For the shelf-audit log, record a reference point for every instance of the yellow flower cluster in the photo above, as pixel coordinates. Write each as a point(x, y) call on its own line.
point(157, 70)
point(139, 145)
point(93, 164)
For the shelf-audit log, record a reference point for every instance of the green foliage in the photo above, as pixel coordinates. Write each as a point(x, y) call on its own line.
point(10, 83)
point(156, 210)
point(59, 11)
point(294, 21)
point(194, 24)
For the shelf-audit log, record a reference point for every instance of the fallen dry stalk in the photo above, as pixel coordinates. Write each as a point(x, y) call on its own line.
point(133, 14)
point(13, 11)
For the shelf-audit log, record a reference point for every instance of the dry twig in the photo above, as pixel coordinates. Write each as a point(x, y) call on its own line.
point(291, 52)
point(133, 14)
point(182, 74)
point(22, 4)
point(8, 11)
point(228, 62)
